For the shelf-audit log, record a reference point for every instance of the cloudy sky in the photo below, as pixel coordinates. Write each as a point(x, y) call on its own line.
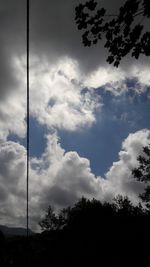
point(88, 120)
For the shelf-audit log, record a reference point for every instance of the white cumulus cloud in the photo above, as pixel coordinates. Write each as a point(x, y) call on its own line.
point(57, 97)
point(61, 178)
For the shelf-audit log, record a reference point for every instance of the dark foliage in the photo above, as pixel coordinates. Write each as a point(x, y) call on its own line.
point(87, 217)
point(124, 32)
point(51, 221)
point(90, 232)
point(2, 238)
point(142, 173)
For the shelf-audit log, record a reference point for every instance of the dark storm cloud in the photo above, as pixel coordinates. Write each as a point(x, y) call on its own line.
point(6, 78)
point(3, 194)
point(12, 41)
point(54, 33)
point(59, 197)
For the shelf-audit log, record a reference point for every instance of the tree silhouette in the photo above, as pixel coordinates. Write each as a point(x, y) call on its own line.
point(49, 222)
point(124, 32)
point(142, 173)
point(87, 217)
point(125, 207)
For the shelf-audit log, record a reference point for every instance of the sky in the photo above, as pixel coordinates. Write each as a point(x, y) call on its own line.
point(88, 120)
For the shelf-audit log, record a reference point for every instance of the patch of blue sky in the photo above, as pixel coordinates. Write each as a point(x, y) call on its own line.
point(36, 137)
point(100, 143)
point(17, 139)
point(119, 116)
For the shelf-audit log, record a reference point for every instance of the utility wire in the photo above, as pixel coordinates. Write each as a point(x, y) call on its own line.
point(28, 129)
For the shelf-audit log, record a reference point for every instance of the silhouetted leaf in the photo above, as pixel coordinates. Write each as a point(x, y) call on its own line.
point(146, 4)
point(122, 33)
point(91, 5)
point(110, 59)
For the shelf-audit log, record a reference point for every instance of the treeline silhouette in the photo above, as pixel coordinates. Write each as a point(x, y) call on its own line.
point(88, 232)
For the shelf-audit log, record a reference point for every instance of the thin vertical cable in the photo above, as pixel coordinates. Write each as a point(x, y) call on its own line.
point(28, 129)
